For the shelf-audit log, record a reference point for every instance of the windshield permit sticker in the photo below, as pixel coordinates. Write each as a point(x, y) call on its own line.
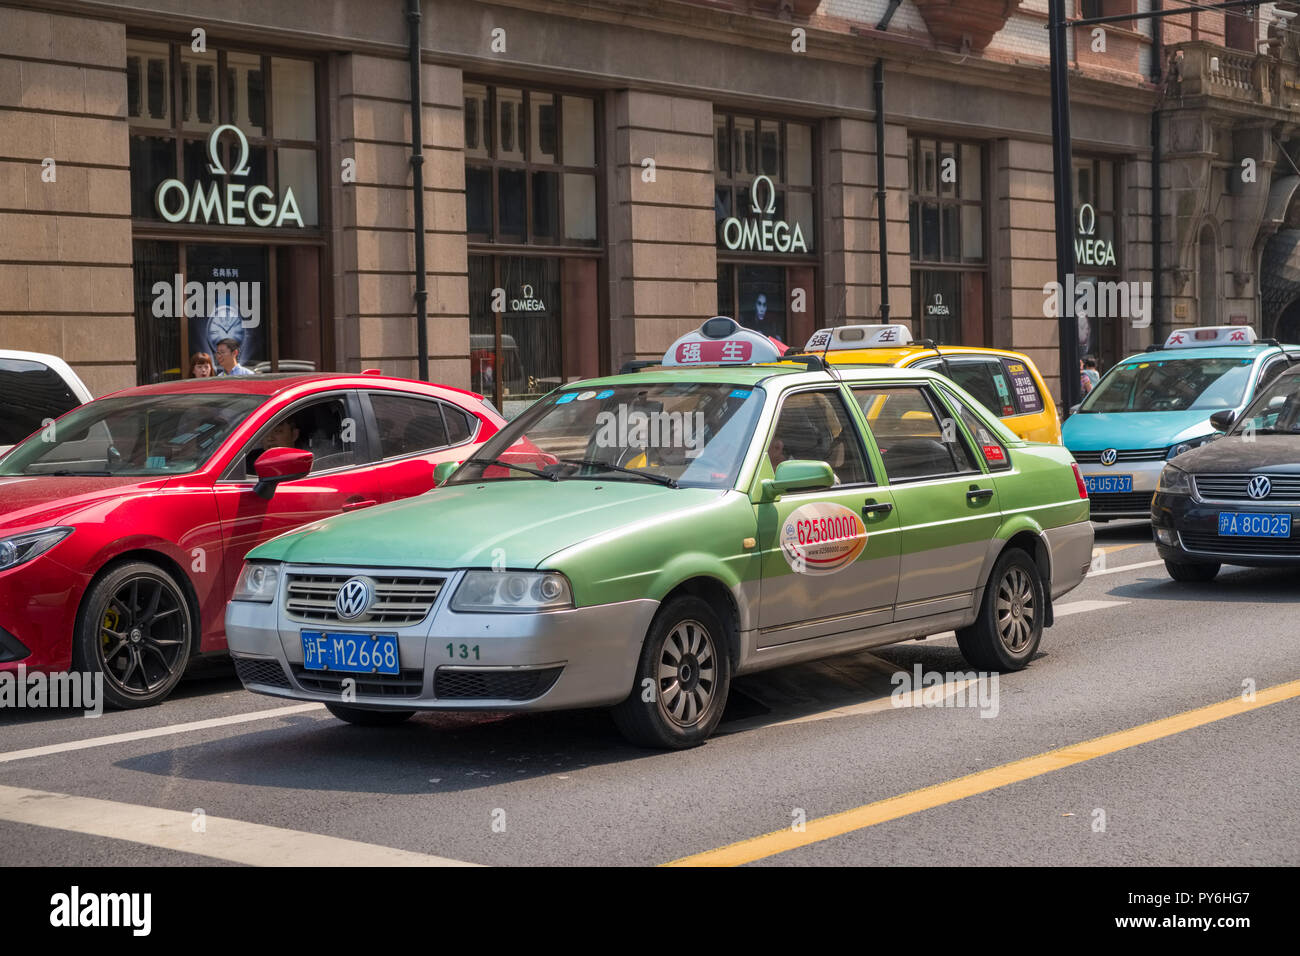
point(740, 393)
point(994, 453)
point(566, 398)
point(155, 461)
point(586, 396)
point(822, 538)
point(607, 393)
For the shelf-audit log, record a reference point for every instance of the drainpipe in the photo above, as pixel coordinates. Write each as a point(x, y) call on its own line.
point(880, 190)
point(417, 190)
point(1157, 218)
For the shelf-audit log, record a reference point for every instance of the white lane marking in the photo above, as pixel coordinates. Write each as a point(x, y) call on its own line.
point(910, 699)
point(1126, 567)
point(224, 839)
point(168, 730)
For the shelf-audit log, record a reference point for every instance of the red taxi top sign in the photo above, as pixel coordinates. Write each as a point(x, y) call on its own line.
point(722, 341)
point(859, 337)
point(1210, 335)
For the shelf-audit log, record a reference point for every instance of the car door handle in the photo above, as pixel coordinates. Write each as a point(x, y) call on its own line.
point(872, 506)
point(979, 494)
point(353, 504)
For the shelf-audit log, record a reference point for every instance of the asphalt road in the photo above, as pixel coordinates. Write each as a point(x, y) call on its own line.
point(263, 781)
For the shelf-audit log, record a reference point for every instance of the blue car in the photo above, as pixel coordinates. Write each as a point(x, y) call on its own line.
point(1154, 406)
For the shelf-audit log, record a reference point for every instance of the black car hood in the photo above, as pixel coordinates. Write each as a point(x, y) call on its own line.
point(1275, 454)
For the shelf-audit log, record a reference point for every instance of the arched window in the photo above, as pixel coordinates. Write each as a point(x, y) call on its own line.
point(1207, 289)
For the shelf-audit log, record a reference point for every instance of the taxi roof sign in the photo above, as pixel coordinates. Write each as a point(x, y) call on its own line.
point(859, 337)
point(1211, 335)
point(722, 341)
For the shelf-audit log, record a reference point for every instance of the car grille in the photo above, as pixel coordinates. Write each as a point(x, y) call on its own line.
point(399, 600)
point(1214, 544)
point(257, 670)
point(1127, 502)
point(471, 683)
point(1233, 488)
point(1131, 454)
point(408, 683)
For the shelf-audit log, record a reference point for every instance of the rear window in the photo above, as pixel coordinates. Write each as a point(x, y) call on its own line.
point(30, 392)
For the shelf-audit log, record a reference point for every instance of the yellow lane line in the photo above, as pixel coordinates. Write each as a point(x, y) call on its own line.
point(927, 798)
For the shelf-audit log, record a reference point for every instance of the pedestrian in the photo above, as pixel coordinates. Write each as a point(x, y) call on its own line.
point(228, 358)
point(200, 365)
point(1090, 367)
point(1085, 383)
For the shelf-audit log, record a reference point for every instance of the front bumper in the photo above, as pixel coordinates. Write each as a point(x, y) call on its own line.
point(583, 657)
point(1128, 504)
point(1190, 529)
point(38, 611)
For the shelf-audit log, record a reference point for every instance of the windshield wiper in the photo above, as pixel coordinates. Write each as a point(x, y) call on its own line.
point(506, 464)
point(592, 462)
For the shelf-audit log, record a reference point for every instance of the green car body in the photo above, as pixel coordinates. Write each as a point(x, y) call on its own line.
point(919, 561)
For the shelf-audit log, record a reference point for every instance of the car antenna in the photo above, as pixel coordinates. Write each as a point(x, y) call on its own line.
point(943, 359)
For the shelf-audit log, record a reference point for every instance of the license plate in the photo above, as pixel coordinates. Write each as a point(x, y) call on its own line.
point(350, 653)
point(1237, 524)
point(1108, 484)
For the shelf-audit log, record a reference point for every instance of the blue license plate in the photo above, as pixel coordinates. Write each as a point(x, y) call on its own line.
point(1237, 524)
point(351, 653)
point(1108, 484)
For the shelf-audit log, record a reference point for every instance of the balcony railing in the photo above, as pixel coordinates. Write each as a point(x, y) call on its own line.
point(1207, 69)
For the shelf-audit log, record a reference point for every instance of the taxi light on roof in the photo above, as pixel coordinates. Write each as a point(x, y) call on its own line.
point(1211, 335)
point(722, 341)
point(859, 337)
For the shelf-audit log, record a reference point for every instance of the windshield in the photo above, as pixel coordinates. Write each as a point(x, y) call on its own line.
point(686, 434)
point(1275, 410)
point(136, 435)
point(1171, 385)
point(30, 393)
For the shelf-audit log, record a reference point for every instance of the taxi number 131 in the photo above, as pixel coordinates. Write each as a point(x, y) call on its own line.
point(465, 651)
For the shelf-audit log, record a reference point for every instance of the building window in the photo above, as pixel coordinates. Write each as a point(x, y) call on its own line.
point(946, 212)
point(225, 193)
point(531, 198)
point(765, 214)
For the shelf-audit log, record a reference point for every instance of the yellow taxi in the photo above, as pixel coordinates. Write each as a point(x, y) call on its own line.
point(1007, 383)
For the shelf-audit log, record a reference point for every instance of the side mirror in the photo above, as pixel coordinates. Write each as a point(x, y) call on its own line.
point(1223, 420)
point(444, 471)
point(280, 464)
point(797, 475)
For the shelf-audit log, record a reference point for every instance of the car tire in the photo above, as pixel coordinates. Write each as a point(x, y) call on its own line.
point(136, 628)
point(1192, 571)
point(369, 718)
point(1007, 631)
point(682, 679)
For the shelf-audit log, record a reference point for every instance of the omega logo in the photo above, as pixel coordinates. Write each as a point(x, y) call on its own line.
point(762, 235)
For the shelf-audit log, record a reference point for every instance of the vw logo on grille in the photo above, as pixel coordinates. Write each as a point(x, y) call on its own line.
point(1109, 456)
point(1259, 487)
point(354, 598)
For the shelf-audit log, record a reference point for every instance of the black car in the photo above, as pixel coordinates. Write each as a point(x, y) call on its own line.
point(1237, 499)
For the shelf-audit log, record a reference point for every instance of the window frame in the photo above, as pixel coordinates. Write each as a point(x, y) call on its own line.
point(936, 406)
point(234, 474)
point(850, 419)
point(376, 441)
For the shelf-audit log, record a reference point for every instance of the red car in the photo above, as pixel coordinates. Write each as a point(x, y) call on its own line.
point(124, 524)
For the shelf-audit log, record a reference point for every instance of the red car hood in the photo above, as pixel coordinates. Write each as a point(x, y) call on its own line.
point(44, 501)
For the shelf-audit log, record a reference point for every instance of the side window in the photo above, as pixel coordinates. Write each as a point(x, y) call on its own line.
point(459, 425)
point(408, 425)
point(1272, 371)
point(816, 426)
point(914, 441)
point(322, 427)
point(994, 452)
point(986, 379)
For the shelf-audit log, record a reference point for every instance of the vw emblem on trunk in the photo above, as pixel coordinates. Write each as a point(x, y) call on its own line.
point(354, 598)
point(1259, 487)
point(1109, 456)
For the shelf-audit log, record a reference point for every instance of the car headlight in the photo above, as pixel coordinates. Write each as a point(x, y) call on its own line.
point(1174, 481)
point(1182, 446)
point(23, 547)
point(512, 591)
point(257, 582)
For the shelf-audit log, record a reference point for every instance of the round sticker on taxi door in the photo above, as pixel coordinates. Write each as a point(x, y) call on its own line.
point(822, 538)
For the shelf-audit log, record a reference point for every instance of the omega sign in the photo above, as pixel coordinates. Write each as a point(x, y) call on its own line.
point(762, 235)
point(1088, 250)
point(177, 204)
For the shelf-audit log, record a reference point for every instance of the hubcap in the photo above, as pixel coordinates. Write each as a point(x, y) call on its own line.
point(1015, 608)
point(142, 636)
point(687, 674)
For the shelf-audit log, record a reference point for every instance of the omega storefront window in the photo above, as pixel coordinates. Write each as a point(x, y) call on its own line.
point(531, 196)
point(1096, 256)
point(949, 265)
point(765, 210)
point(227, 224)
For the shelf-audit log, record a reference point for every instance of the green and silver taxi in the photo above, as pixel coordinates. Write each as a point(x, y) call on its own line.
point(639, 540)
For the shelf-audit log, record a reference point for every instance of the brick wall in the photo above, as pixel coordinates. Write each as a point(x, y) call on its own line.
point(65, 244)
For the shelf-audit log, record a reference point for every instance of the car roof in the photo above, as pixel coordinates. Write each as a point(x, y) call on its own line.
point(1222, 351)
point(278, 383)
point(752, 375)
point(897, 353)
